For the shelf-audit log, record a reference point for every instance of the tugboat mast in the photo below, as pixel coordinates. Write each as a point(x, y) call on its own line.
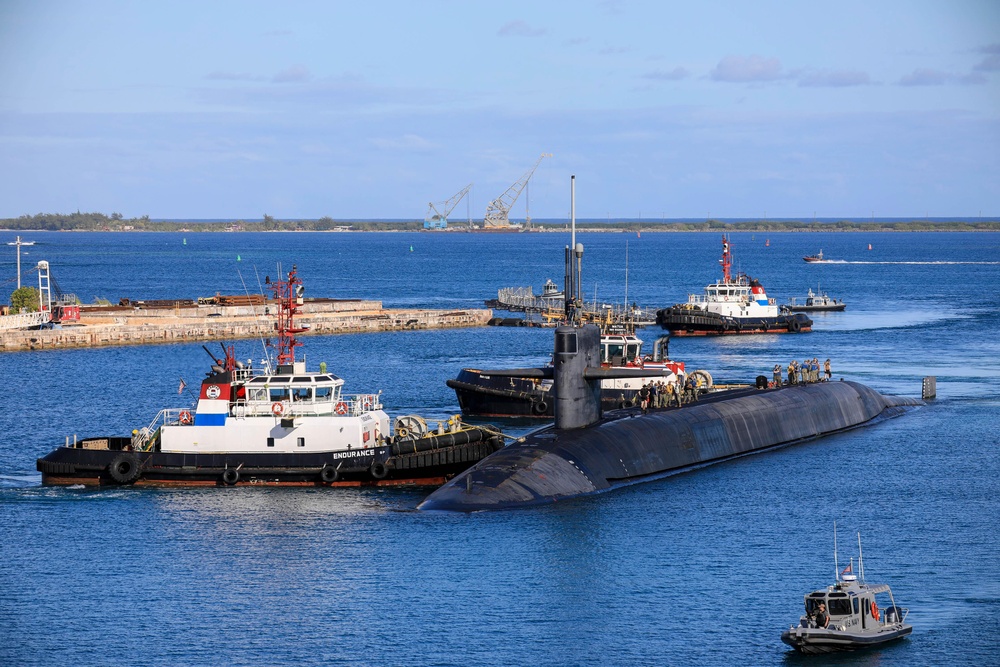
point(726, 261)
point(289, 296)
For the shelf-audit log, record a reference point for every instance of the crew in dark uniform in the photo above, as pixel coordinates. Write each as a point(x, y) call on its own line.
point(822, 619)
point(644, 398)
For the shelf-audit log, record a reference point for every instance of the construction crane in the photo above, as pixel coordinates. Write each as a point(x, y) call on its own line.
point(437, 214)
point(498, 212)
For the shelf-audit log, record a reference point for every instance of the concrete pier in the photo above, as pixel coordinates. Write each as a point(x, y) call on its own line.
point(121, 325)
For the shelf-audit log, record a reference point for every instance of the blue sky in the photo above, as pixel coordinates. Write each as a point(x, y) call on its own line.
point(371, 110)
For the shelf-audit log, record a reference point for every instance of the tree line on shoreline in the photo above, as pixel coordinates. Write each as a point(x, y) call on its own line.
point(116, 222)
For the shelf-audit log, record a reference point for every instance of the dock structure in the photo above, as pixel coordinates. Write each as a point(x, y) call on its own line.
point(110, 326)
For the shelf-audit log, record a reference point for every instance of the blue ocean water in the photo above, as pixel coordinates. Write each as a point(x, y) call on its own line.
point(703, 568)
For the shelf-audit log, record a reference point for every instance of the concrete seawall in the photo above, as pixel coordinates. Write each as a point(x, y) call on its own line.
point(113, 326)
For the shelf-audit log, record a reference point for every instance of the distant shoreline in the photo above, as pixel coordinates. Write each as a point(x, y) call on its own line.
point(98, 222)
point(944, 228)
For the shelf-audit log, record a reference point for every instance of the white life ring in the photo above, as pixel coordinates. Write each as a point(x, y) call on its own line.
point(340, 408)
point(277, 408)
point(185, 417)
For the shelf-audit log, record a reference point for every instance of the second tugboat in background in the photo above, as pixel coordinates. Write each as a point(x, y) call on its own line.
point(282, 426)
point(735, 305)
point(483, 395)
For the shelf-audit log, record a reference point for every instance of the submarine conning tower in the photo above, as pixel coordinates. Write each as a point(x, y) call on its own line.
point(577, 396)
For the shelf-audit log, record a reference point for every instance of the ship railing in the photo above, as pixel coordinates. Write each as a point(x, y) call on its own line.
point(145, 438)
point(243, 374)
point(355, 404)
point(358, 404)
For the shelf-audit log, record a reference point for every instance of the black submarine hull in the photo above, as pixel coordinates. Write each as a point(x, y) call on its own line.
point(626, 446)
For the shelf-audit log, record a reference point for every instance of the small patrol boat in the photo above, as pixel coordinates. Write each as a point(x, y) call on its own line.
point(851, 617)
point(735, 305)
point(812, 259)
point(279, 426)
point(815, 302)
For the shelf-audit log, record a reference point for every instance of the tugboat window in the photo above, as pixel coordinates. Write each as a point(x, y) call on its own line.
point(839, 607)
point(301, 442)
point(855, 605)
point(324, 394)
point(270, 442)
point(279, 394)
point(258, 394)
point(301, 394)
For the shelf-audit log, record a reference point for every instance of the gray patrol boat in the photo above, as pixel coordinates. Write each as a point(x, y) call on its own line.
point(854, 619)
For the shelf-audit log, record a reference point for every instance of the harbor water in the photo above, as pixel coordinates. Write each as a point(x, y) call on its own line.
point(707, 567)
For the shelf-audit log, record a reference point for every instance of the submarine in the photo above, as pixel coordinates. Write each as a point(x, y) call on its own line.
point(587, 452)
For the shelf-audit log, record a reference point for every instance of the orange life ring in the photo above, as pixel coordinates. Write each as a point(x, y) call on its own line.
point(875, 610)
point(277, 409)
point(340, 408)
point(184, 417)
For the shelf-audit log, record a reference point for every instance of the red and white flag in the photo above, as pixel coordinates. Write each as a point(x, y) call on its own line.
point(180, 388)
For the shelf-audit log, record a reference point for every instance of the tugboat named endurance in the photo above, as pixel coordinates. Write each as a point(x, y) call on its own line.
point(735, 305)
point(281, 427)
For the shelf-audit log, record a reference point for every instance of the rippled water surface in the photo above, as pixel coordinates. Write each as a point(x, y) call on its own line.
point(703, 568)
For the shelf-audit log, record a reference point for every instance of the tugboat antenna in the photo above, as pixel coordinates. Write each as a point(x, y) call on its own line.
point(836, 566)
point(861, 559)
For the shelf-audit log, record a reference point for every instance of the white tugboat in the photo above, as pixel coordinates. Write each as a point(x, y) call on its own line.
point(277, 426)
point(483, 395)
point(735, 305)
point(849, 615)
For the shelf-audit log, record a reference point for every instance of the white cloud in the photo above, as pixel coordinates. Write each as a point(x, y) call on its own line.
point(747, 69)
point(410, 143)
point(219, 75)
point(519, 28)
point(989, 64)
point(834, 78)
point(293, 74)
point(676, 74)
point(934, 77)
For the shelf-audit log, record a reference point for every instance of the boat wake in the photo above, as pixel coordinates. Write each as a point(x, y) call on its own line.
point(844, 261)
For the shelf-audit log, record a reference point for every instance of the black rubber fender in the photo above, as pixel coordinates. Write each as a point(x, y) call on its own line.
point(125, 468)
point(539, 407)
point(794, 326)
point(329, 474)
point(230, 476)
point(379, 470)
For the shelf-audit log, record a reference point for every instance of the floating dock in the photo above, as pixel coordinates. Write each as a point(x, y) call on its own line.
point(184, 321)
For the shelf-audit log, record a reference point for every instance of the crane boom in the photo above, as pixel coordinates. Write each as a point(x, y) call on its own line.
point(437, 214)
point(498, 212)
